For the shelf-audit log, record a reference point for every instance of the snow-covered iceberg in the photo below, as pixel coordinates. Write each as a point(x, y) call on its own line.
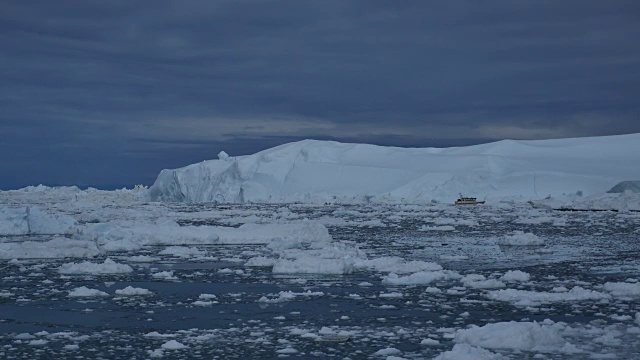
point(313, 170)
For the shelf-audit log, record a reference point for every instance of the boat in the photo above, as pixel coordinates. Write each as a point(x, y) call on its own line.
point(468, 201)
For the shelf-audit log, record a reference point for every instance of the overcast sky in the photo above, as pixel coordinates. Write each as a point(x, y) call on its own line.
point(108, 93)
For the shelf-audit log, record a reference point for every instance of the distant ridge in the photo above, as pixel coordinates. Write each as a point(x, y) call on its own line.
point(312, 170)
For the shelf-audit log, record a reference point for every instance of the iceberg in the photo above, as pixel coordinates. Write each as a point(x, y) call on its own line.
point(312, 170)
point(32, 220)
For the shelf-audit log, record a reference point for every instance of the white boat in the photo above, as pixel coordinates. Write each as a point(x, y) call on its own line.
point(468, 201)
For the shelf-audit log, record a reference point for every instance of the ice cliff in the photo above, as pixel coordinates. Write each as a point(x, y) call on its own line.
point(311, 170)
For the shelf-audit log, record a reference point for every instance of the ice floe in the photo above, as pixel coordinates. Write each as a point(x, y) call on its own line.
point(86, 267)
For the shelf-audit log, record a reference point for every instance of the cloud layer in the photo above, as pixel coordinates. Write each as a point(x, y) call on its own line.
point(109, 93)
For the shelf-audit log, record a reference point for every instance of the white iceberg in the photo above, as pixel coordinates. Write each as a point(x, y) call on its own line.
point(313, 170)
point(520, 238)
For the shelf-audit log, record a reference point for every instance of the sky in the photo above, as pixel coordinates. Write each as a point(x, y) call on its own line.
point(108, 93)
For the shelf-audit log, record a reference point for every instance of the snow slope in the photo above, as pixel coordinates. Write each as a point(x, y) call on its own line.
point(311, 170)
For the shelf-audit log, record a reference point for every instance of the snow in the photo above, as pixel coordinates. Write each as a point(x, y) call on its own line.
point(311, 170)
point(107, 267)
point(520, 238)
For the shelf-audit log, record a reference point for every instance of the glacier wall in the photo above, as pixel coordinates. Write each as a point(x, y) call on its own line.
point(312, 170)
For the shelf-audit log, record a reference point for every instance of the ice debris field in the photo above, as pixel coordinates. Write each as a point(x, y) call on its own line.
point(316, 273)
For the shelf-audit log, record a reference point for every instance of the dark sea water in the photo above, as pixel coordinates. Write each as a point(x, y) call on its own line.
point(588, 250)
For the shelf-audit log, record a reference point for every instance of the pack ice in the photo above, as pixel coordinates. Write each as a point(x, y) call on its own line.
point(313, 170)
point(32, 220)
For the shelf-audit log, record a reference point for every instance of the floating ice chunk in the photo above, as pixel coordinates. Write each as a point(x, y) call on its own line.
point(173, 345)
point(13, 221)
point(207, 296)
point(165, 275)
point(430, 342)
point(387, 352)
point(637, 318)
point(453, 257)
point(295, 234)
point(183, 252)
point(33, 220)
point(143, 258)
point(24, 336)
point(531, 298)
point(391, 295)
point(419, 278)
point(203, 303)
point(283, 296)
point(84, 291)
point(107, 267)
point(155, 334)
point(451, 221)
point(520, 238)
point(468, 352)
point(120, 236)
point(260, 261)
point(610, 338)
point(313, 265)
point(397, 265)
point(525, 336)
point(620, 317)
point(55, 248)
point(622, 288)
point(133, 291)
point(287, 350)
point(485, 284)
point(39, 342)
point(535, 220)
point(436, 228)
point(515, 275)
point(157, 353)
point(41, 222)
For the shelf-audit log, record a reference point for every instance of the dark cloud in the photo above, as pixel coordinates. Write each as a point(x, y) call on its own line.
point(105, 93)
